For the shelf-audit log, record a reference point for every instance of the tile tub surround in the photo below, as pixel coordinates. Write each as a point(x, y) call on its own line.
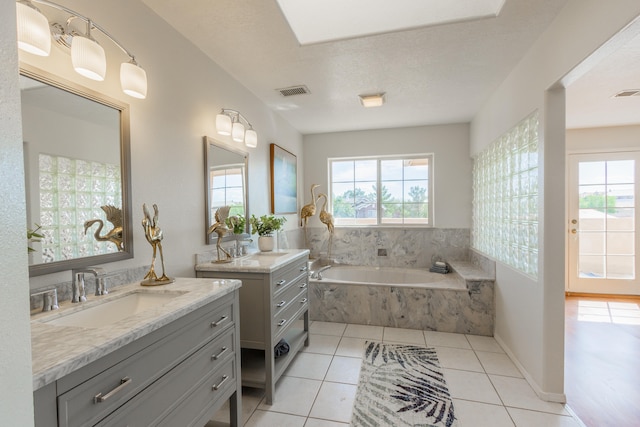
point(59, 350)
point(406, 247)
point(463, 303)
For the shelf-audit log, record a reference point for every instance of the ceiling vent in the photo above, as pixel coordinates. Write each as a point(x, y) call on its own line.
point(294, 90)
point(627, 93)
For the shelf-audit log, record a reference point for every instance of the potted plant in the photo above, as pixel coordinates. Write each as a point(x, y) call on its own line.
point(236, 223)
point(265, 226)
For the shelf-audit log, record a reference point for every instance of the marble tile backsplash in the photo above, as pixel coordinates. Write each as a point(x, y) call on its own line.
point(415, 247)
point(114, 279)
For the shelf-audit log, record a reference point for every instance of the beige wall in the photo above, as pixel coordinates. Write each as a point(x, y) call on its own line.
point(529, 313)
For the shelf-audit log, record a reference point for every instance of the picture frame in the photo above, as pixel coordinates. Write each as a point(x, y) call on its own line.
point(284, 181)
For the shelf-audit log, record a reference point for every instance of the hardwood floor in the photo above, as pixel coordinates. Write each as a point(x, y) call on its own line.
point(602, 360)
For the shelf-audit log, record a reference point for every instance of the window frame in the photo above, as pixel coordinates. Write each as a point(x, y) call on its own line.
point(379, 224)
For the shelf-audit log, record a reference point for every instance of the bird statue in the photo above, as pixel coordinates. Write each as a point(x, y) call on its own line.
point(220, 228)
point(114, 216)
point(153, 233)
point(327, 219)
point(310, 209)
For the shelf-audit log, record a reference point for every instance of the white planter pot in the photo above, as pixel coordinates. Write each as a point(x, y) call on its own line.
point(266, 243)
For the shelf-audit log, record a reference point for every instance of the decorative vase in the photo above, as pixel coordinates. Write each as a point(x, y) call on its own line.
point(266, 243)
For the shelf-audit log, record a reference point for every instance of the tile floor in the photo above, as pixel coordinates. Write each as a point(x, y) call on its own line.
point(319, 387)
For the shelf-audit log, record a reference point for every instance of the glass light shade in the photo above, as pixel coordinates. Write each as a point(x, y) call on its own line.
point(133, 80)
point(34, 35)
point(88, 58)
point(237, 132)
point(223, 124)
point(251, 138)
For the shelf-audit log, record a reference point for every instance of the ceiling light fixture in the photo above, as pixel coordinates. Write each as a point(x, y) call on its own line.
point(230, 122)
point(87, 56)
point(369, 101)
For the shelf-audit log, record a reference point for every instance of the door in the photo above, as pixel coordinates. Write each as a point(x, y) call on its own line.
point(603, 202)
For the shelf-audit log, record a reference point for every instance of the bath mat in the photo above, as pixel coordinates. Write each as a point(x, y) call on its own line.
point(401, 385)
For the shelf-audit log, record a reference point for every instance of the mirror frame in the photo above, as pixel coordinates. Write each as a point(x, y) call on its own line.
point(208, 142)
point(125, 172)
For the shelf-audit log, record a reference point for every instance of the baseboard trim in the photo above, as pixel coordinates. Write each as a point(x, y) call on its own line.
point(574, 415)
point(546, 396)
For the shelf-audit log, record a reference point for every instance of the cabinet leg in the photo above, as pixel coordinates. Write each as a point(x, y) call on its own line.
point(235, 409)
point(306, 328)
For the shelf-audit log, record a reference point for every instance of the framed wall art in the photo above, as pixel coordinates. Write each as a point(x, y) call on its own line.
point(284, 181)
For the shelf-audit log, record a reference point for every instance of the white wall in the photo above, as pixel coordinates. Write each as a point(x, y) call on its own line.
point(452, 164)
point(530, 316)
point(16, 401)
point(186, 91)
point(603, 139)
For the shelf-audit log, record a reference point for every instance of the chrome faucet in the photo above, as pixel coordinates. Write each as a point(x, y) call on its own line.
point(49, 299)
point(318, 274)
point(78, 293)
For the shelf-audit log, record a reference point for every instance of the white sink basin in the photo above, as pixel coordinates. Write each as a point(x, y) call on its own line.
point(114, 310)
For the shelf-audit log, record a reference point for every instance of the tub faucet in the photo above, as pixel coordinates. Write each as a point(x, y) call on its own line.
point(318, 274)
point(78, 293)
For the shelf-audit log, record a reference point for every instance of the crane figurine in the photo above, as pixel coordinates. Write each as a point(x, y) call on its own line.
point(308, 210)
point(220, 228)
point(114, 216)
point(327, 219)
point(153, 233)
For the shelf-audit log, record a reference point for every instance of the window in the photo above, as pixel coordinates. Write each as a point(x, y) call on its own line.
point(405, 196)
point(227, 188)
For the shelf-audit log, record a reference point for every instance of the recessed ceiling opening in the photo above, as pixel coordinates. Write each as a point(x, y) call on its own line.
point(294, 90)
point(626, 93)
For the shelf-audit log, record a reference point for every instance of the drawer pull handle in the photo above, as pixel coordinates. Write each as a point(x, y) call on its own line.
point(282, 322)
point(303, 268)
point(303, 285)
point(281, 282)
point(219, 322)
point(98, 398)
point(303, 301)
point(281, 304)
point(217, 356)
point(224, 380)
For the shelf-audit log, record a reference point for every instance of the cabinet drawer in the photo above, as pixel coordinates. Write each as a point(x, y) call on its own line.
point(282, 300)
point(289, 313)
point(95, 398)
point(200, 370)
point(285, 275)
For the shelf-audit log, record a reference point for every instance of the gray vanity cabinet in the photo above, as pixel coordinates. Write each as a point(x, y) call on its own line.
point(179, 374)
point(274, 305)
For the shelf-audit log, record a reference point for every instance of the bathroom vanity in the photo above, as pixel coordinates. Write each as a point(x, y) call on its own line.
point(162, 356)
point(274, 305)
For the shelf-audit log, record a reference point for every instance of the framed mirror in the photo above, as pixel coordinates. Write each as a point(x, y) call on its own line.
point(226, 173)
point(77, 174)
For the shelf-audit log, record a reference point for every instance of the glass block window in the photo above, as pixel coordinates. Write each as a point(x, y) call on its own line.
point(72, 192)
point(505, 198)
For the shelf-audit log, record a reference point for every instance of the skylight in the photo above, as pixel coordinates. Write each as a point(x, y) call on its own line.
point(317, 21)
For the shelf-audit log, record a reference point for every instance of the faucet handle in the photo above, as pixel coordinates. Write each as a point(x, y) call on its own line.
point(49, 299)
point(101, 286)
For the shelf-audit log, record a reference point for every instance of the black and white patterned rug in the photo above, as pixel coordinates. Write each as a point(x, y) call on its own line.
point(401, 385)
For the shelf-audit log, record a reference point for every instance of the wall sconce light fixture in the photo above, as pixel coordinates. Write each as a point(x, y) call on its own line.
point(87, 56)
point(230, 122)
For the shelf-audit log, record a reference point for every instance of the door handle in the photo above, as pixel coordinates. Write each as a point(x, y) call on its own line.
point(574, 231)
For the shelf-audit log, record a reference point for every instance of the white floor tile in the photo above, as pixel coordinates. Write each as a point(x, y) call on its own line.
point(293, 396)
point(458, 358)
point(471, 386)
point(364, 331)
point(498, 363)
point(264, 419)
point(403, 336)
point(344, 370)
point(351, 347)
point(327, 328)
point(517, 393)
point(322, 344)
point(315, 422)
point(334, 402)
point(480, 343)
point(446, 339)
point(309, 365)
point(525, 418)
point(476, 414)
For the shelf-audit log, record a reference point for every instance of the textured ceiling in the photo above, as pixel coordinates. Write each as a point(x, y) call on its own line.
point(431, 75)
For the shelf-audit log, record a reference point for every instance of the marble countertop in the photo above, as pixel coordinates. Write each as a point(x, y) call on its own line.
point(259, 262)
point(60, 350)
